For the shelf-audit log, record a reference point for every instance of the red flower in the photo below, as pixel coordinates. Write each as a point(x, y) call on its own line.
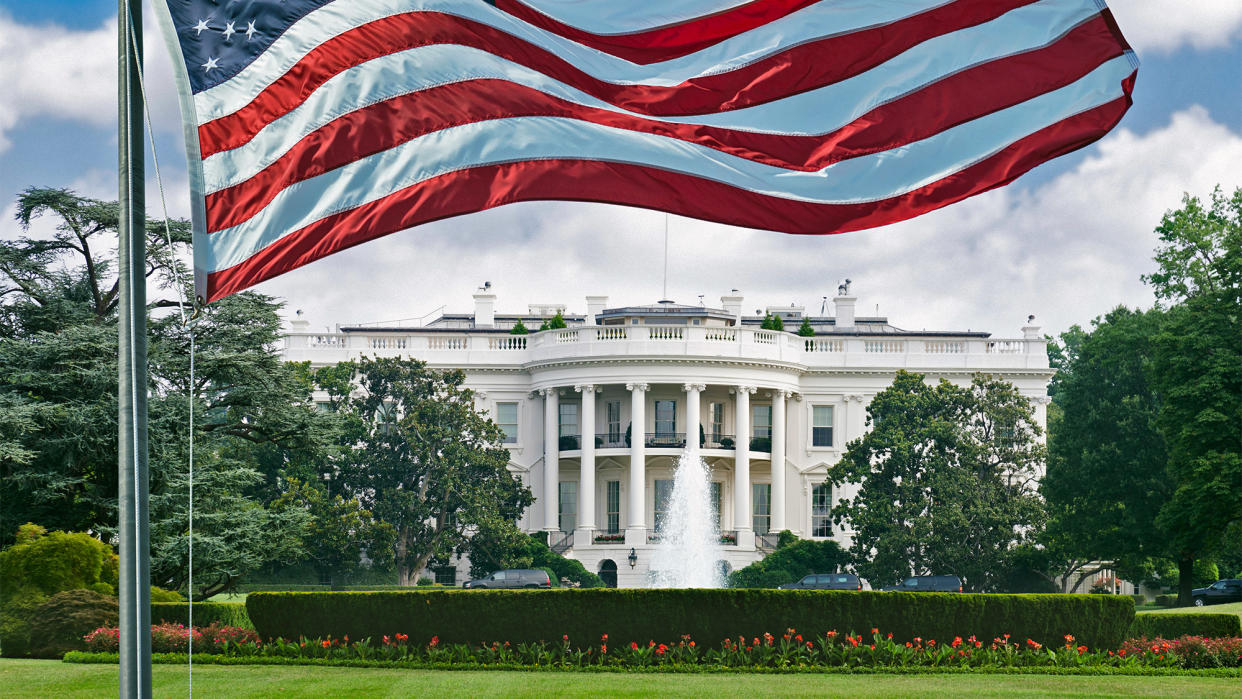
point(798, 638)
point(874, 631)
point(387, 641)
point(435, 641)
point(1082, 649)
point(565, 637)
point(853, 641)
point(604, 638)
point(931, 643)
point(633, 645)
point(325, 644)
point(603, 650)
point(809, 644)
point(692, 644)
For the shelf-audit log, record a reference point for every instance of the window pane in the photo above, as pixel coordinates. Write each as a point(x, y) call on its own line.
point(663, 490)
point(716, 411)
point(761, 421)
point(568, 505)
point(821, 427)
point(569, 419)
point(665, 417)
point(507, 419)
point(715, 491)
point(821, 506)
point(614, 506)
point(761, 506)
point(614, 421)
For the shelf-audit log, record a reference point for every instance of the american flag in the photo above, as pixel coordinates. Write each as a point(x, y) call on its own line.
point(316, 125)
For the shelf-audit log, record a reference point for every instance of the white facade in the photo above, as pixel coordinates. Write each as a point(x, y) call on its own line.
point(674, 370)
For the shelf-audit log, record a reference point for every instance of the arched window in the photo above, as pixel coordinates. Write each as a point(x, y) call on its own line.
point(608, 572)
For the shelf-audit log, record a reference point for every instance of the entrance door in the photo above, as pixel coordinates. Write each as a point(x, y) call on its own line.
point(608, 572)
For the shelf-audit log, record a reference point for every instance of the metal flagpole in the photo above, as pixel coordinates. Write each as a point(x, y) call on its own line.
point(135, 572)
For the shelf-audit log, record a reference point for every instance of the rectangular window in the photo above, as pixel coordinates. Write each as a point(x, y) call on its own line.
point(761, 506)
point(665, 418)
point(715, 493)
point(761, 421)
point(612, 410)
point(568, 509)
point(821, 426)
point(446, 575)
point(569, 419)
point(715, 413)
point(663, 492)
point(507, 419)
point(613, 498)
point(821, 510)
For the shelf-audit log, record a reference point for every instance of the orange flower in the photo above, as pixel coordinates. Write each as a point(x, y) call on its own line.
point(1082, 649)
point(325, 644)
point(692, 644)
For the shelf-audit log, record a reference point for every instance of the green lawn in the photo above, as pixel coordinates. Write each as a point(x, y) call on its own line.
point(50, 678)
point(1232, 608)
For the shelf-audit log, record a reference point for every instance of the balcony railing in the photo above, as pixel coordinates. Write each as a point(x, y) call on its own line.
point(665, 440)
point(662, 440)
point(610, 538)
point(561, 542)
point(611, 440)
point(719, 441)
point(465, 347)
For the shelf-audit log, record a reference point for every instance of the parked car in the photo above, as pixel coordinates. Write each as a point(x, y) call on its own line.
point(829, 581)
point(1219, 592)
point(510, 579)
point(927, 583)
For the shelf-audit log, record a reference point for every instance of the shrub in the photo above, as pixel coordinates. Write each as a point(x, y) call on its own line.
point(1166, 600)
point(762, 444)
point(227, 613)
point(173, 638)
point(552, 577)
point(455, 616)
point(1139, 599)
point(423, 582)
point(15, 617)
point(777, 323)
point(1175, 625)
point(159, 594)
point(558, 566)
point(568, 442)
point(805, 330)
point(725, 442)
point(59, 623)
point(519, 328)
point(790, 562)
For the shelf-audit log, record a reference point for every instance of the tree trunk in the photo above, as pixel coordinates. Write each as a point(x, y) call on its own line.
point(1185, 580)
point(404, 573)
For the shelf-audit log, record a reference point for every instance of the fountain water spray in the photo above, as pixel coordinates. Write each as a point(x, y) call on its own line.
point(689, 534)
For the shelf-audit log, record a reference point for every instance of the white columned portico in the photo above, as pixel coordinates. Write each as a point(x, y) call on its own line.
point(741, 463)
point(636, 531)
point(586, 473)
point(693, 405)
point(778, 460)
point(551, 458)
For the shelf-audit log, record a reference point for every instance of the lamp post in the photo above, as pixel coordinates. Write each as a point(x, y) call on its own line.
point(633, 558)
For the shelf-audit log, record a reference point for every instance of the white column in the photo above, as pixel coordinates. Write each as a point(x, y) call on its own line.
point(638, 464)
point(778, 460)
point(586, 473)
point(741, 463)
point(551, 459)
point(693, 423)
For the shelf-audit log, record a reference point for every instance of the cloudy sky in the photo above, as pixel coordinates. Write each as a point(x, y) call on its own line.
point(1067, 242)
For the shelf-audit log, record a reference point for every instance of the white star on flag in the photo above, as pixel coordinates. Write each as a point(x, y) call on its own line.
point(211, 63)
point(249, 30)
point(229, 31)
point(198, 28)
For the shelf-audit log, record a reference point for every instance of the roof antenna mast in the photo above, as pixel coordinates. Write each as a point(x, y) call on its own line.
point(665, 295)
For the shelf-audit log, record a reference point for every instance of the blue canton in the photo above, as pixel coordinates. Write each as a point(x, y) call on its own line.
point(220, 38)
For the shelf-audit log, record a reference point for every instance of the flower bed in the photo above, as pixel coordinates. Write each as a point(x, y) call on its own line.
point(788, 651)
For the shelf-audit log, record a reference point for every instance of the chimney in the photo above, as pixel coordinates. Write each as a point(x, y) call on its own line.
point(733, 304)
point(299, 324)
point(845, 310)
point(595, 306)
point(485, 307)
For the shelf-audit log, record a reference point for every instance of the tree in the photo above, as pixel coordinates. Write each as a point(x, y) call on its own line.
point(944, 481)
point(1107, 463)
point(805, 330)
point(339, 532)
point(766, 323)
point(1197, 368)
point(58, 349)
point(419, 456)
point(519, 328)
point(777, 323)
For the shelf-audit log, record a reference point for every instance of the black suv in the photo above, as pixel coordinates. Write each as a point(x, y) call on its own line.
point(510, 579)
point(927, 583)
point(1219, 592)
point(829, 581)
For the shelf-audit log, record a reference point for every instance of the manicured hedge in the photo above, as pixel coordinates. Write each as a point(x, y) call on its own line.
point(708, 616)
point(227, 613)
point(1172, 625)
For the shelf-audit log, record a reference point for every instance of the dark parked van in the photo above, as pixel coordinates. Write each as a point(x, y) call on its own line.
point(829, 581)
point(927, 583)
point(511, 579)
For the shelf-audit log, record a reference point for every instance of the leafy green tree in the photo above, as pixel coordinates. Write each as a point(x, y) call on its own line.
point(417, 454)
point(805, 330)
point(766, 323)
point(519, 328)
point(339, 532)
point(945, 481)
point(1197, 369)
point(777, 323)
point(1107, 463)
point(792, 560)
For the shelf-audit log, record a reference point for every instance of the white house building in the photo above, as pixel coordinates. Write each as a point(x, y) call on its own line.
point(596, 415)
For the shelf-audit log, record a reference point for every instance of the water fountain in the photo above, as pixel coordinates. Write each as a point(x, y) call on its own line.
point(689, 535)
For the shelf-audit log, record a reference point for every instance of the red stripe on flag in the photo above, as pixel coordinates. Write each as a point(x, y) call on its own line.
point(481, 188)
point(795, 70)
point(668, 42)
point(954, 100)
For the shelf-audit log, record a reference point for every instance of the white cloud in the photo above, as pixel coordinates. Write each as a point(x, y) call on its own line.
point(1166, 25)
point(50, 71)
point(1067, 250)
